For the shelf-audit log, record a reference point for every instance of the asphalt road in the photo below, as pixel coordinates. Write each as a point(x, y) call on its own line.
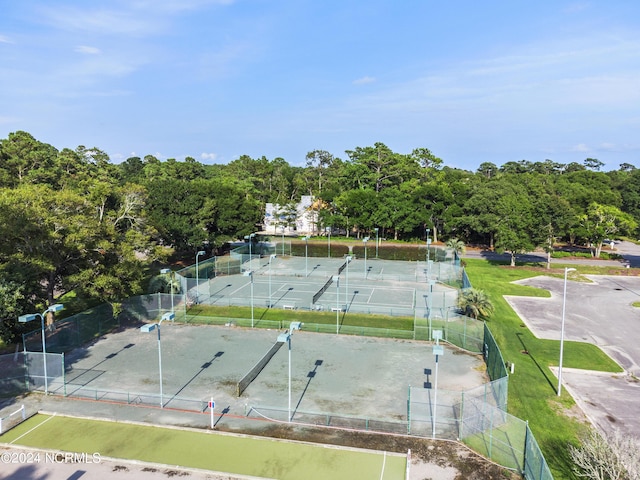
point(629, 251)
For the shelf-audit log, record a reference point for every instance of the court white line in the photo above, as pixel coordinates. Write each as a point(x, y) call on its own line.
point(29, 431)
point(384, 462)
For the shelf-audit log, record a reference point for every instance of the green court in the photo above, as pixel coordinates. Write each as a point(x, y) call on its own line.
point(207, 450)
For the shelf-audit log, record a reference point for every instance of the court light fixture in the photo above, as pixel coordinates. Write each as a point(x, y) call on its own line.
point(198, 255)
point(150, 327)
point(286, 337)
point(437, 351)
point(564, 303)
point(30, 317)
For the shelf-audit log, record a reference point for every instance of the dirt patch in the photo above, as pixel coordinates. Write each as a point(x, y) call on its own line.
point(430, 459)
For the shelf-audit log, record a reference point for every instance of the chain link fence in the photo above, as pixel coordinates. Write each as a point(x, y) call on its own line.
point(77, 330)
point(71, 332)
point(22, 372)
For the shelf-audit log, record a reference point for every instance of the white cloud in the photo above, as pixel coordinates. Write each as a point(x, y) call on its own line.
point(577, 7)
point(174, 6)
point(209, 156)
point(88, 50)
point(102, 21)
point(5, 39)
point(364, 80)
point(8, 120)
point(581, 147)
point(608, 146)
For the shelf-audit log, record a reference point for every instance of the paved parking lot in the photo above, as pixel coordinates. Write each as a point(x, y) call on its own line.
point(601, 313)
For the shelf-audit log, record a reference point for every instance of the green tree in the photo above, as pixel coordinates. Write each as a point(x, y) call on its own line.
point(517, 228)
point(358, 207)
point(180, 210)
point(522, 166)
point(381, 167)
point(25, 159)
point(456, 246)
point(397, 209)
point(13, 303)
point(605, 221)
point(593, 164)
point(488, 170)
point(318, 165)
point(50, 233)
point(475, 303)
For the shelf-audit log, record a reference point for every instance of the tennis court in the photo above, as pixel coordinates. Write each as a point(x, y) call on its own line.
point(188, 448)
point(340, 380)
point(375, 286)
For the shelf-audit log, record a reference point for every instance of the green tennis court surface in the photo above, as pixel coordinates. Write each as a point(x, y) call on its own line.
point(234, 454)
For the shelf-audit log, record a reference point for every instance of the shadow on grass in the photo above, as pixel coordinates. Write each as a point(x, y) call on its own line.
point(543, 370)
point(558, 458)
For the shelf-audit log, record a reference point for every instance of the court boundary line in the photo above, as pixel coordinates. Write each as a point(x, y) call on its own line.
point(32, 429)
point(384, 462)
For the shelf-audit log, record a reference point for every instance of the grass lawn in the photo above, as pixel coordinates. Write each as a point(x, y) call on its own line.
point(199, 313)
point(532, 389)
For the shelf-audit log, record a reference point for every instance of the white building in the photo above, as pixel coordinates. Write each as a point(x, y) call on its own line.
point(296, 219)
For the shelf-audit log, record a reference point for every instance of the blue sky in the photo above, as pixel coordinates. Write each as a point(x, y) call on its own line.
point(473, 81)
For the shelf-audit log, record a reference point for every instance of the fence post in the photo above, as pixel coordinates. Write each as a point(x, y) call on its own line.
point(409, 412)
point(26, 369)
point(464, 336)
point(490, 432)
point(461, 416)
point(526, 442)
point(64, 378)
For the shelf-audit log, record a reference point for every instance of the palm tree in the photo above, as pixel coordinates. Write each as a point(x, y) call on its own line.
point(457, 246)
point(162, 284)
point(475, 304)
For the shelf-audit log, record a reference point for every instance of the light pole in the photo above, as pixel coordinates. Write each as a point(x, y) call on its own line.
point(149, 327)
point(198, 255)
point(249, 273)
point(250, 238)
point(306, 247)
point(431, 284)
point(428, 242)
point(166, 271)
point(29, 317)
point(282, 227)
point(437, 351)
point(328, 230)
point(564, 303)
point(376, 230)
point(336, 279)
point(346, 286)
point(364, 241)
point(273, 255)
point(428, 254)
point(286, 337)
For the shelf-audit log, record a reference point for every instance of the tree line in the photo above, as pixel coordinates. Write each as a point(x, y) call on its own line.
point(71, 220)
